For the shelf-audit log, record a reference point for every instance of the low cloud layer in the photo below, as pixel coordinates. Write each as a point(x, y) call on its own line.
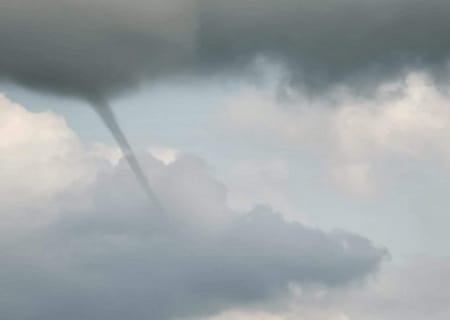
point(82, 247)
point(94, 49)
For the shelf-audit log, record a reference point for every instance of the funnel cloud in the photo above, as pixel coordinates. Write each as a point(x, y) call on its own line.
point(107, 115)
point(100, 48)
point(332, 130)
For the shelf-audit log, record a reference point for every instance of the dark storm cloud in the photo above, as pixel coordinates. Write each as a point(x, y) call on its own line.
point(95, 49)
point(98, 47)
point(118, 260)
point(91, 48)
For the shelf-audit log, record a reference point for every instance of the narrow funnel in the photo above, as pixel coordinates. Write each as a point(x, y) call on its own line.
point(106, 114)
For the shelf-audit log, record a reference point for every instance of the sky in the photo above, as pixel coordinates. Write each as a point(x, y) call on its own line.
point(298, 154)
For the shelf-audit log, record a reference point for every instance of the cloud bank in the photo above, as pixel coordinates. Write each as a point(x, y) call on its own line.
point(81, 241)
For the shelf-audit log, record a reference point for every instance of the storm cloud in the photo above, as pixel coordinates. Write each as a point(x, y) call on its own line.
point(99, 48)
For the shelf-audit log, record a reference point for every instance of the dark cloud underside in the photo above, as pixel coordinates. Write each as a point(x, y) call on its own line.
point(94, 48)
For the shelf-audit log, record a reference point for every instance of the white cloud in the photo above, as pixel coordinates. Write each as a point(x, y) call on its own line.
point(408, 118)
point(411, 118)
point(40, 158)
point(40, 155)
point(165, 155)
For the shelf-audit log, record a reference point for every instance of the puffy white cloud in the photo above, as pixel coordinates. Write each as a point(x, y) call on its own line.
point(40, 155)
point(40, 158)
point(99, 251)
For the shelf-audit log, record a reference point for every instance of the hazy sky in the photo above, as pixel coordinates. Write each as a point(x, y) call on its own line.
point(300, 151)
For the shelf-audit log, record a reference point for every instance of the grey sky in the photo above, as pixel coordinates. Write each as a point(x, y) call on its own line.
point(300, 150)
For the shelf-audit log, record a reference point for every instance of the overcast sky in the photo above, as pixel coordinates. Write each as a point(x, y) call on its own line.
point(299, 152)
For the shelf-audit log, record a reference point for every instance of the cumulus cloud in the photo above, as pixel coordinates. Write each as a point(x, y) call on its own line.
point(39, 140)
point(95, 48)
point(103, 253)
point(408, 118)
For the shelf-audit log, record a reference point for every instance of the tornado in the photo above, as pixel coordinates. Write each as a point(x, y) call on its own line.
point(106, 114)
